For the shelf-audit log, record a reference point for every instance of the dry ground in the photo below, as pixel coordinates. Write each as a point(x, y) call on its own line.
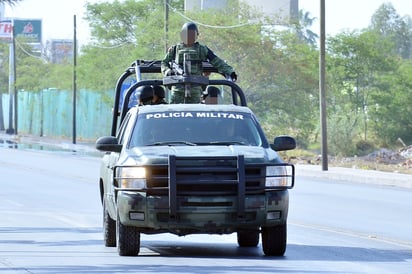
point(382, 160)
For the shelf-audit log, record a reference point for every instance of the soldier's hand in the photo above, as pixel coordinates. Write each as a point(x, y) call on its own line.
point(233, 76)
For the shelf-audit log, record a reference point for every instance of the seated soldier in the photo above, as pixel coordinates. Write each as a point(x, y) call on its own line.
point(145, 95)
point(210, 95)
point(158, 95)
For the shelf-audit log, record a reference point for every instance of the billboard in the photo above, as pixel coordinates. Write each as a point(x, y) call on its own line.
point(28, 29)
point(61, 50)
point(6, 30)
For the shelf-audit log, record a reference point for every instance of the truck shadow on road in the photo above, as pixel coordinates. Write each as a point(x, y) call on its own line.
point(293, 252)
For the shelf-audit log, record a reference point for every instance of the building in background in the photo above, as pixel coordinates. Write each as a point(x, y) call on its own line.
point(205, 4)
point(59, 51)
point(284, 10)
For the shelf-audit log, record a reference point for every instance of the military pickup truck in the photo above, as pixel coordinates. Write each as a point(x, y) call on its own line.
point(192, 168)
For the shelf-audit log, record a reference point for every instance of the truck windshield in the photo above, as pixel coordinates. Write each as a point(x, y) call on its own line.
point(195, 128)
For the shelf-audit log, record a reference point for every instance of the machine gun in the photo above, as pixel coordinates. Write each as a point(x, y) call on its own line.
point(185, 74)
point(177, 70)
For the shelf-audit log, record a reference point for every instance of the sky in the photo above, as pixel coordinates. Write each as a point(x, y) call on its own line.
point(58, 15)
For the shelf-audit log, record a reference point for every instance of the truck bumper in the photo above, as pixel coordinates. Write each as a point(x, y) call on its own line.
point(201, 213)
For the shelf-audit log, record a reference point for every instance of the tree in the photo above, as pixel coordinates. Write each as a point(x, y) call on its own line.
point(302, 28)
point(124, 31)
point(9, 2)
point(269, 62)
point(391, 113)
point(388, 24)
point(358, 61)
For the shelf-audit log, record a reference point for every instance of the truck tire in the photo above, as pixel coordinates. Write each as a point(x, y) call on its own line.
point(248, 238)
point(128, 239)
point(109, 228)
point(274, 240)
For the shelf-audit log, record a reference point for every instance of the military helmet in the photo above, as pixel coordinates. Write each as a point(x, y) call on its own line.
point(145, 94)
point(159, 91)
point(189, 33)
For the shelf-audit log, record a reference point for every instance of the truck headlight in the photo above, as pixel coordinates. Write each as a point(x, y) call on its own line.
point(277, 176)
point(131, 177)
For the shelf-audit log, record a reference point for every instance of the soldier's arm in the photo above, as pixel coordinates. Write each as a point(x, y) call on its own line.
point(165, 63)
point(218, 63)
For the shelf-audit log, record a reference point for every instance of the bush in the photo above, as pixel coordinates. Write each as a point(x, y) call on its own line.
point(364, 147)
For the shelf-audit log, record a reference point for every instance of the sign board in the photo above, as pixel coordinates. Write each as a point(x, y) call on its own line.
point(28, 29)
point(61, 50)
point(6, 30)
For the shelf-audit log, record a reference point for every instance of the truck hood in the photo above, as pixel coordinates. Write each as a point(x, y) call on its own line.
point(160, 155)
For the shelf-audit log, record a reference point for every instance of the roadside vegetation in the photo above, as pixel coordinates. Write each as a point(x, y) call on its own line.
point(368, 75)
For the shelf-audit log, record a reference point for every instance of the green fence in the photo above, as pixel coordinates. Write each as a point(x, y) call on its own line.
point(50, 113)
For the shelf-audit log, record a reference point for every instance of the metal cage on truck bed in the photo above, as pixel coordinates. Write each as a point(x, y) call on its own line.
point(140, 67)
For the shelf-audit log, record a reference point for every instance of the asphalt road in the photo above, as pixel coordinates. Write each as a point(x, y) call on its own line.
point(51, 223)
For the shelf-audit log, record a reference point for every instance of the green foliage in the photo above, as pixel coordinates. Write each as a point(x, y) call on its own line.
point(364, 147)
point(391, 114)
point(388, 24)
point(342, 133)
point(357, 63)
point(4, 67)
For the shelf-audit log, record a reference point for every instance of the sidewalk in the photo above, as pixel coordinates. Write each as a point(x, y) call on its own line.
point(45, 143)
point(312, 171)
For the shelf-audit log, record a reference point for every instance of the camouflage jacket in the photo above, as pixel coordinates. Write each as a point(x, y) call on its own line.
point(198, 53)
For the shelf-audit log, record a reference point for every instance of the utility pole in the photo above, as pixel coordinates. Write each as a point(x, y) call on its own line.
point(166, 23)
point(322, 92)
point(74, 78)
point(12, 87)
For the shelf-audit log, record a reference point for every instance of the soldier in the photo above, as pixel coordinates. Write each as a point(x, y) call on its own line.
point(197, 53)
point(145, 95)
point(158, 95)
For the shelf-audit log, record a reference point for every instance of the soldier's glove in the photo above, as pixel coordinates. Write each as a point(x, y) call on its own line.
point(233, 76)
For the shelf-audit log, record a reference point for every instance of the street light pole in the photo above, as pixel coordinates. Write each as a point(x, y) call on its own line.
point(322, 92)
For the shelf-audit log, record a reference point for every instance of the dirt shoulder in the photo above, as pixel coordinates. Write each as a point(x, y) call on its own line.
point(380, 160)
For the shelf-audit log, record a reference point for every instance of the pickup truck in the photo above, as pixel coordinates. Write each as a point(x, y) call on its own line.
point(192, 169)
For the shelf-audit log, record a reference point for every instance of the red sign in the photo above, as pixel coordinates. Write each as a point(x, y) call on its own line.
point(6, 30)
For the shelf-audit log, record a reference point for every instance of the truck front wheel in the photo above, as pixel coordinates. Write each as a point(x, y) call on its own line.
point(109, 228)
point(248, 238)
point(128, 239)
point(274, 240)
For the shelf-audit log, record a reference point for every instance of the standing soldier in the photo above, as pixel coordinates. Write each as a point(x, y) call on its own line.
point(196, 53)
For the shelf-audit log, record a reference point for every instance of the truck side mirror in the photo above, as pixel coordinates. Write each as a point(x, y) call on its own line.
point(284, 142)
point(108, 144)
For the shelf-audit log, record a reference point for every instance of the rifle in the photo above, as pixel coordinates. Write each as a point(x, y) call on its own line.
point(176, 68)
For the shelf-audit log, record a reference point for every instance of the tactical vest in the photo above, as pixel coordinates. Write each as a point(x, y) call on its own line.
point(190, 54)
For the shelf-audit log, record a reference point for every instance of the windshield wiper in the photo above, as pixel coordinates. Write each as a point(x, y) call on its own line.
point(171, 143)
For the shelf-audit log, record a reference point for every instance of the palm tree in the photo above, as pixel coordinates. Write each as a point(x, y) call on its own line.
point(9, 2)
point(302, 27)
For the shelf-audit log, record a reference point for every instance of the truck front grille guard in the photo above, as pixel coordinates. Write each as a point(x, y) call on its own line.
point(177, 168)
point(209, 176)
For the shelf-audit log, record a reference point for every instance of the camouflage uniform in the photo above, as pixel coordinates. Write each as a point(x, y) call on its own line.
point(198, 53)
